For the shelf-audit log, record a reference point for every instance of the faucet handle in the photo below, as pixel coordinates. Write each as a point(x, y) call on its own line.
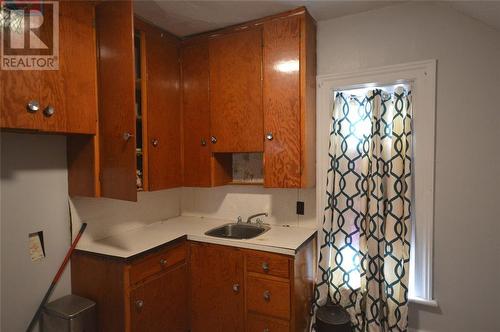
point(239, 220)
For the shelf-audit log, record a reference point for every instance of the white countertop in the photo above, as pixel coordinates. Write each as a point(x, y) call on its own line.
point(279, 239)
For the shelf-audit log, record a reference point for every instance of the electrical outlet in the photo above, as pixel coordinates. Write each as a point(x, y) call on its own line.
point(37, 250)
point(300, 208)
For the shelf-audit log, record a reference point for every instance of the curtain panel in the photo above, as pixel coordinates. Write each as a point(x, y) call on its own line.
point(366, 229)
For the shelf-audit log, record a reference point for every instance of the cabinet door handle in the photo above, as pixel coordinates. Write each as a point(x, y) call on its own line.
point(203, 142)
point(267, 296)
point(163, 262)
point(49, 111)
point(213, 139)
point(33, 106)
point(127, 136)
point(269, 136)
point(266, 330)
point(139, 304)
point(155, 142)
point(265, 266)
point(236, 288)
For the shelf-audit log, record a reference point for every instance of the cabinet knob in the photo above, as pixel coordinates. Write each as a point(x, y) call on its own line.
point(267, 296)
point(155, 142)
point(236, 288)
point(139, 304)
point(265, 266)
point(49, 111)
point(203, 142)
point(269, 136)
point(33, 106)
point(126, 136)
point(213, 139)
point(163, 262)
point(266, 330)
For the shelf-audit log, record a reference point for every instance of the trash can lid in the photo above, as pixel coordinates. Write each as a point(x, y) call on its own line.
point(69, 306)
point(333, 314)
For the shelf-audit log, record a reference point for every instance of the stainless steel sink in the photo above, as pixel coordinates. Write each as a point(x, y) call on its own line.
point(237, 231)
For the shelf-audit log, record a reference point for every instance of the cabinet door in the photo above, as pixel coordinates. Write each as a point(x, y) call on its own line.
point(236, 91)
point(196, 114)
point(70, 91)
point(163, 110)
point(78, 68)
point(114, 25)
point(161, 304)
point(217, 290)
point(282, 103)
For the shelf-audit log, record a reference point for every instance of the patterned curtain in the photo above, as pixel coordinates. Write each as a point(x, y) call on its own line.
point(365, 249)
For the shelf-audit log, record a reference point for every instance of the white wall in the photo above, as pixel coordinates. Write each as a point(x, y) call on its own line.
point(466, 246)
point(105, 217)
point(229, 202)
point(34, 190)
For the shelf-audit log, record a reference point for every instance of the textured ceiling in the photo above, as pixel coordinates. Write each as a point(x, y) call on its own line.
point(184, 18)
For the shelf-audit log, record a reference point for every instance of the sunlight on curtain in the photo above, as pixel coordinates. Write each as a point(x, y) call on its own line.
point(365, 249)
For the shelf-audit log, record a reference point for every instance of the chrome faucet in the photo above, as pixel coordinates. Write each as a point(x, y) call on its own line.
point(259, 221)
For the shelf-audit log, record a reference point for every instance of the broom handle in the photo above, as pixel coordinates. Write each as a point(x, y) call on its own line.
point(56, 278)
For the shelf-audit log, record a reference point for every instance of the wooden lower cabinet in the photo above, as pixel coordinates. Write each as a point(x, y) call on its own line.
point(234, 289)
point(146, 293)
point(161, 304)
point(217, 292)
point(199, 287)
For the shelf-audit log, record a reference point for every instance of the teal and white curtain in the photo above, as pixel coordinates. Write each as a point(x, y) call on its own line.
point(365, 235)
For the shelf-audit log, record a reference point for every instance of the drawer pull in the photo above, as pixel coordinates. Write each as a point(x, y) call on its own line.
point(49, 111)
point(267, 296)
point(139, 304)
point(265, 267)
point(267, 330)
point(33, 106)
point(163, 262)
point(236, 288)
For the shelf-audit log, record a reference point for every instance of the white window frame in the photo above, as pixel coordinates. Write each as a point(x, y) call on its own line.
point(422, 77)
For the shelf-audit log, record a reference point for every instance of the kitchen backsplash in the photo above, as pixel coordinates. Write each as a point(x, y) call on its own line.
point(107, 217)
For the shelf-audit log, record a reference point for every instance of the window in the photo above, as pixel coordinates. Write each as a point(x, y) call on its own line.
point(421, 76)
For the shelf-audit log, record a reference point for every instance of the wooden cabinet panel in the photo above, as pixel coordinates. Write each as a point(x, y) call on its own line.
point(161, 304)
point(267, 264)
point(258, 323)
point(78, 67)
point(18, 88)
point(196, 114)
point(114, 25)
point(236, 91)
point(282, 103)
point(71, 90)
point(217, 290)
point(163, 110)
point(268, 297)
point(156, 263)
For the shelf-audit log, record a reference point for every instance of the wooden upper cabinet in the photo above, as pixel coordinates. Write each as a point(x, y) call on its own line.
point(114, 23)
point(69, 91)
point(161, 116)
point(282, 102)
point(289, 96)
point(236, 119)
point(196, 114)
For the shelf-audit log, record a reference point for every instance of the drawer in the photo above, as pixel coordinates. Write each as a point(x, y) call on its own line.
point(268, 297)
point(270, 264)
point(258, 323)
point(157, 262)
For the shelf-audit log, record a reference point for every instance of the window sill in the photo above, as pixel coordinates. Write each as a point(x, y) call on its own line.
point(421, 301)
